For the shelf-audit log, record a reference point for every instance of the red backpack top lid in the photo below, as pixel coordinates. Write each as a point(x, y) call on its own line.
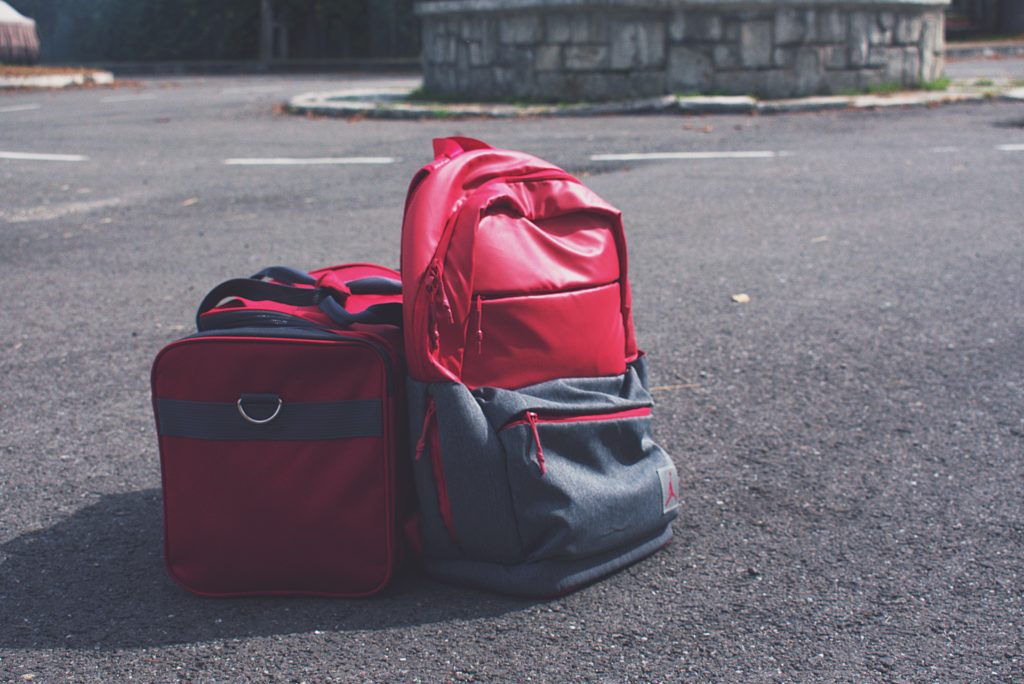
point(513, 272)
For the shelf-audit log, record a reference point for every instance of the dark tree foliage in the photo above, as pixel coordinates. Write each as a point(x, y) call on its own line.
point(139, 30)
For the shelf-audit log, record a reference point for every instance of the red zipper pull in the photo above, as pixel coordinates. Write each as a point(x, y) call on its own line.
point(479, 325)
point(421, 443)
point(531, 418)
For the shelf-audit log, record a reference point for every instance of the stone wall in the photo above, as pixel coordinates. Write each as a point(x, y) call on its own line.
point(570, 50)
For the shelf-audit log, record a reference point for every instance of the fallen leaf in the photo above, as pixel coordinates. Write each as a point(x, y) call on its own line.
point(741, 298)
point(708, 129)
point(820, 238)
point(190, 201)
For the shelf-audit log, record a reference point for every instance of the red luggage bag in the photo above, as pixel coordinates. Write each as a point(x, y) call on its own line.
point(279, 423)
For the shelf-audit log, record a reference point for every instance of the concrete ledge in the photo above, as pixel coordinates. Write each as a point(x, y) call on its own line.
point(58, 80)
point(434, 7)
point(393, 104)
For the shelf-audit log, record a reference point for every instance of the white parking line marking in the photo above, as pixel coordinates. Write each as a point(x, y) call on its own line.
point(1016, 147)
point(33, 156)
point(128, 98)
point(243, 90)
point(310, 161)
point(657, 156)
point(19, 108)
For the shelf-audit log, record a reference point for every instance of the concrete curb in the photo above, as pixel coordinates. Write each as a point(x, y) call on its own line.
point(974, 50)
point(58, 80)
point(395, 105)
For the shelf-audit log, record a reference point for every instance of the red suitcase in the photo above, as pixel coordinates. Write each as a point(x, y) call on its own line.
point(278, 425)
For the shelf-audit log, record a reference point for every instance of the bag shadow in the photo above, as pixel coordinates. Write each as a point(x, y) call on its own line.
point(97, 580)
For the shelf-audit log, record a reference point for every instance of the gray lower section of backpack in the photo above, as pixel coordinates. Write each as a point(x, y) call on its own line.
point(541, 490)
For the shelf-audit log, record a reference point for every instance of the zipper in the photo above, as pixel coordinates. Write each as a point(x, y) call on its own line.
point(430, 442)
point(428, 416)
point(533, 420)
point(479, 325)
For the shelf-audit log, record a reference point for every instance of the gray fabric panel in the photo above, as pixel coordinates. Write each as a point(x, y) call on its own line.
point(600, 490)
point(436, 542)
point(296, 420)
point(476, 474)
point(545, 579)
point(572, 396)
point(596, 508)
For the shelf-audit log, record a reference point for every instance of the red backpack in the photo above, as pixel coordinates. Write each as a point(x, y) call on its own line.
point(530, 416)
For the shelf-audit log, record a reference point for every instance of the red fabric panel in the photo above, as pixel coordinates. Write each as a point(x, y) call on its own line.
point(242, 517)
point(519, 256)
point(536, 338)
point(220, 369)
point(497, 222)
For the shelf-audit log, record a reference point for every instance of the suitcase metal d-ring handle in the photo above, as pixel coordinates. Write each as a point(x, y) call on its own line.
point(266, 400)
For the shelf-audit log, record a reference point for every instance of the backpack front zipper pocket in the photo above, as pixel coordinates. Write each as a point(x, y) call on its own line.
point(583, 483)
point(533, 420)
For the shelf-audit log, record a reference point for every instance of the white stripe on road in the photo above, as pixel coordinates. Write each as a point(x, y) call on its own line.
point(128, 98)
point(655, 156)
point(1011, 148)
point(244, 90)
point(19, 108)
point(310, 161)
point(33, 156)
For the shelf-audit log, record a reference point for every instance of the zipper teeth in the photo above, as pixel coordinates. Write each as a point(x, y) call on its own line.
point(642, 412)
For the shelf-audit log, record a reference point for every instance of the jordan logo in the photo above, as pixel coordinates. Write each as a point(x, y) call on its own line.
point(669, 487)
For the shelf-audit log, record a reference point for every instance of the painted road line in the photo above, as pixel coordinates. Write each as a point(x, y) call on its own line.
point(128, 98)
point(245, 90)
point(658, 156)
point(19, 108)
point(309, 161)
point(1017, 147)
point(33, 156)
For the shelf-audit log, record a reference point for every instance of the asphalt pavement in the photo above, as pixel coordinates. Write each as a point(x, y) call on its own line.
point(850, 440)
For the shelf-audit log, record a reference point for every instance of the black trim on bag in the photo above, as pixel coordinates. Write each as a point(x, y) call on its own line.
point(297, 421)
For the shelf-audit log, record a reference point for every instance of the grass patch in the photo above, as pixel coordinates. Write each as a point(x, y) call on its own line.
point(941, 83)
point(884, 88)
point(984, 82)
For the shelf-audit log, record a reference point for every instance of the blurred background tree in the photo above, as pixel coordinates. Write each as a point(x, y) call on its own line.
point(210, 30)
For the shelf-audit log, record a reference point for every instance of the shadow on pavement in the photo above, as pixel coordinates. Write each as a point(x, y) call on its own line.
point(97, 580)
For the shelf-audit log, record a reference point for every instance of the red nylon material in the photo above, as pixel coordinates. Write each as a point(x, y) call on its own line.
point(250, 518)
point(334, 278)
point(532, 228)
point(272, 517)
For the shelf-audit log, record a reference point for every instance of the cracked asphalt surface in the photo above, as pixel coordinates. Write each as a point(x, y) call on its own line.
point(850, 440)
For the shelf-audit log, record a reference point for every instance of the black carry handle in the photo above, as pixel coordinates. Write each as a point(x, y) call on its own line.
point(371, 285)
point(285, 274)
point(375, 285)
point(246, 288)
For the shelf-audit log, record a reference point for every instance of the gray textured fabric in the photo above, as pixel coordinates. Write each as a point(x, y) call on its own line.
point(545, 579)
point(596, 506)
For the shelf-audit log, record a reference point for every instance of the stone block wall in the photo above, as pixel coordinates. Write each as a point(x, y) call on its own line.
point(571, 50)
